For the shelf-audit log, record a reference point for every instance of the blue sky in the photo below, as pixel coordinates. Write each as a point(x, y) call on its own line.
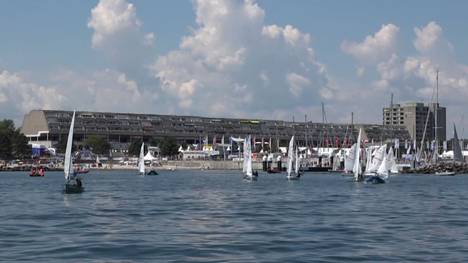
point(47, 47)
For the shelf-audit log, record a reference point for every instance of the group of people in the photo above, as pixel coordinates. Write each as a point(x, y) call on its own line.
point(37, 171)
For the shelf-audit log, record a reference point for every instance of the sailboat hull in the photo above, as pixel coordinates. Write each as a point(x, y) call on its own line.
point(152, 172)
point(375, 180)
point(73, 189)
point(248, 178)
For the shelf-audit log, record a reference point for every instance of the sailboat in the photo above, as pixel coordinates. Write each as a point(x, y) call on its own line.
point(291, 157)
point(382, 171)
point(249, 174)
point(375, 160)
point(357, 171)
point(141, 160)
point(73, 183)
point(391, 161)
point(349, 160)
point(457, 153)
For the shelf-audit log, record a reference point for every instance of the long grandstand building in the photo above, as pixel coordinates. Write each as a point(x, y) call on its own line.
point(48, 127)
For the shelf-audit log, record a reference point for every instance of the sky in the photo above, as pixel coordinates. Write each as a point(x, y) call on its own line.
point(237, 58)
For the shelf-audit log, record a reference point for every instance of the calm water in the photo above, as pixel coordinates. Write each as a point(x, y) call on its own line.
point(214, 216)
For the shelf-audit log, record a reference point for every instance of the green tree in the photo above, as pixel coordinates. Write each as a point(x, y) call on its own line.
point(5, 145)
point(19, 145)
point(135, 147)
point(13, 144)
point(169, 147)
point(98, 144)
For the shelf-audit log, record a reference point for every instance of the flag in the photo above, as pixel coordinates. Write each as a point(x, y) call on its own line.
point(406, 144)
point(397, 143)
point(214, 141)
point(445, 146)
point(222, 140)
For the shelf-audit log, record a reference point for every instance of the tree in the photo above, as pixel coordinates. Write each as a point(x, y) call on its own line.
point(135, 147)
point(169, 147)
point(13, 144)
point(20, 147)
point(98, 144)
point(5, 145)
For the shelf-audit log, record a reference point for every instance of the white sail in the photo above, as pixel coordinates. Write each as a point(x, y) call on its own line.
point(349, 159)
point(141, 159)
point(244, 163)
point(248, 168)
point(336, 161)
point(383, 170)
point(391, 161)
point(68, 164)
point(377, 158)
point(290, 155)
point(298, 164)
point(457, 151)
point(357, 163)
point(368, 160)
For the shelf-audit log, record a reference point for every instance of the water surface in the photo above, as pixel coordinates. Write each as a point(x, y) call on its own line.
point(214, 216)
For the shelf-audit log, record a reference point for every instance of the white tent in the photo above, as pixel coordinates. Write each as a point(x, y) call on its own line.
point(149, 157)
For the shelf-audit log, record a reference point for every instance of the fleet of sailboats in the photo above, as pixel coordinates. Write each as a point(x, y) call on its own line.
point(379, 160)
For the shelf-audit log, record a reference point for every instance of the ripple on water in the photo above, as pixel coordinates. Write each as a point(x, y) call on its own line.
point(213, 216)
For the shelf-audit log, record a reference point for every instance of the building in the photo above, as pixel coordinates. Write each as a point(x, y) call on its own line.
point(48, 127)
point(414, 117)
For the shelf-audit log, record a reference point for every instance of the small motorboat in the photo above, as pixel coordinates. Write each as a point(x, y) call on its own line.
point(274, 171)
point(82, 170)
point(445, 173)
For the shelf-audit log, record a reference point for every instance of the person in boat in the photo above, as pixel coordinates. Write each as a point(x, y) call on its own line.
point(33, 171)
point(255, 173)
point(41, 171)
point(78, 182)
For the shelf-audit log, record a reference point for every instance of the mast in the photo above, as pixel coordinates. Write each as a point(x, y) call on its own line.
point(436, 109)
point(352, 126)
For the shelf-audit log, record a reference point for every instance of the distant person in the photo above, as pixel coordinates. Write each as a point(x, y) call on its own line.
point(78, 182)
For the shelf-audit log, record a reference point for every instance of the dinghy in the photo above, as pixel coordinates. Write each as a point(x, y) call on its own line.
point(73, 184)
point(249, 174)
point(292, 156)
point(357, 171)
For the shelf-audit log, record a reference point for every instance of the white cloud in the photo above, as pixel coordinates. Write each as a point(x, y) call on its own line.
point(375, 47)
point(117, 32)
point(18, 96)
point(413, 78)
point(296, 83)
point(111, 18)
point(236, 65)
